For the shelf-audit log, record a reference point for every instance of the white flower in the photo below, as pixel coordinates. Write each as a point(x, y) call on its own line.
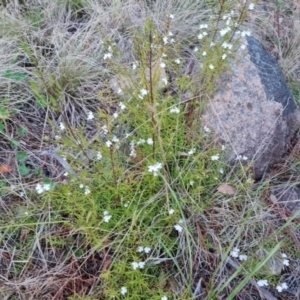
point(223, 147)
point(142, 264)
point(122, 106)
point(162, 65)
point(165, 80)
point(286, 262)
point(115, 115)
point(123, 290)
point(251, 6)
point(192, 151)
point(105, 129)
point(196, 49)
point(175, 110)
point(164, 298)
point(119, 91)
point(87, 190)
point(115, 139)
point(134, 66)
point(244, 157)
point(212, 44)
point(206, 129)
point(170, 33)
point(165, 40)
point(164, 55)
point(262, 282)
point(62, 126)
point(221, 171)
point(81, 186)
point(281, 287)
point(204, 53)
point(203, 26)
point(90, 115)
point(106, 217)
point(143, 92)
point(177, 60)
point(178, 227)
point(147, 250)
point(224, 56)
point(283, 255)
point(46, 187)
point(141, 142)
point(155, 168)
point(135, 265)
point(98, 155)
point(243, 257)
point(245, 32)
point(235, 252)
point(192, 182)
point(225, 31)
point(108, 143)
point(171, 211)
point(200, 36)
point(39, 188)
point(150, 141)
point(215, 157)
point(211, 67)
point(140, 249)
point(107, 55)
point(171, 16)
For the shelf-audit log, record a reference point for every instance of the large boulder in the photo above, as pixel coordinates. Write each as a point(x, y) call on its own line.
point(253, 112)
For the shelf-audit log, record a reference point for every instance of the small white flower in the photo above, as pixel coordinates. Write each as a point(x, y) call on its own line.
point(283, 255)
point(224, 56)
point(126, 204)
point(286, 262)
point(87, 190)
point(221, 171)
point(203, 26)
point(122, 106)
point(90, 115)
point(26, 213)
point(165, 80)
point(212, 44)
point(140, 249)
point(108, 143)
point(115, 115)
point(123, 290)
point(142, 264)
point(243, 257)
point(235, 252)
point(164, 298)
point(162, 65)
point(245, 32)
point(171, 211)
point(147, 250)
point(81, 186)
point(62, 126)
point(200, 36)
point(119, 91)
point(215, 157)
point(211, 67)
point(204, 53)
point(165, 40)
point(171, 16)
point(262, 282)
point(155, 168)
point(196, 49)
point(98, 155)
point(192, 151)
point(223, 147)
point(107, 55)
point(281, 287)
point(244, 157)
point(115, 139)
point(175, 110)
point(105, 129)
point(192, 182)
point(164, 55)
point(134, 66)
point(177, 60)
point(106, 216)
point(150, 141)
point(251, 6)
point(178, 227)
point(170, 33)
point(135, 265)
point(143, 92)
point(206, 129)
point(46, 187)
point(225, 31)
point(39, 188)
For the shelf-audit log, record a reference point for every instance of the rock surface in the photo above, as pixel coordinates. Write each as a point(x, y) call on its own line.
point(253, 112)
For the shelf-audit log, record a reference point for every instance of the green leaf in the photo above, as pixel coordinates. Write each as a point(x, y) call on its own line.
point(14, 75)
point(22, 156)
point(4, 113)
point(22, 130)
point(14, 143)
point(2, 127)
point(23, 170)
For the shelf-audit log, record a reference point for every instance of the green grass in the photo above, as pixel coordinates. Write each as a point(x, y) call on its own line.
point(106, 88)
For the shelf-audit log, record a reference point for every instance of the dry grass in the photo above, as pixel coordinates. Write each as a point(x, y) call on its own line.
point(58, 47)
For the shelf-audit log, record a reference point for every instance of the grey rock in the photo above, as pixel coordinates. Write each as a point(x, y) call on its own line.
point(253, 112)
